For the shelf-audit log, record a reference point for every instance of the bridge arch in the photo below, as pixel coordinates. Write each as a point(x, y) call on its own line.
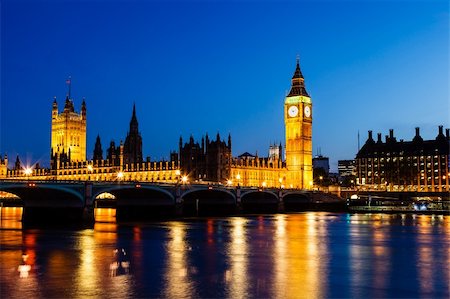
point(209, 196)
point(138, 195)
point(8, 195)
point(297, 201)
point(296, 196)
point(259, 197)
point(260, 201)
point(46, 195)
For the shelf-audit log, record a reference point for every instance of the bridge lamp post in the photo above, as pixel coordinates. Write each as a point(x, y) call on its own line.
point(177, 176)
point(90, 169)
point(320, 181)
point(184, 179)
point(28, 171)
point(238, 177)
point(120, 175)
point(229, 183)
point(264, 184)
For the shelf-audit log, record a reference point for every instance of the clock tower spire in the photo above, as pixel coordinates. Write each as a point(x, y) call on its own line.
point(298, 128)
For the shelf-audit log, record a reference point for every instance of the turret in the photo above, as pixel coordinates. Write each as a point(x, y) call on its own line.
point(17, 164)
point(203, 145)
point(229, 141)
point(3, 166)
point(134, 126)
point(68, 106)
point(83, 110)
point(121, 155)
point(280, 152)
point(98, 152)
point(54, 109)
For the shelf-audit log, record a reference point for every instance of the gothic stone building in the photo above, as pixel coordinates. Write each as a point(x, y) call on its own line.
point(68, 137)
point(208, 161)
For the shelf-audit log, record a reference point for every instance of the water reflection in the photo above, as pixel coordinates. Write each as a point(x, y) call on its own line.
point(177, 282)
point(424, 251)
point(24, 268)
point(11, 217)
point(237, 254)
point(381, 254)
point(281, 266)
point(305, 255)
point(87, 278)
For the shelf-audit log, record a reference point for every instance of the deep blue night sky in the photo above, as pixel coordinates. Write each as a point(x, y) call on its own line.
point(209, 66)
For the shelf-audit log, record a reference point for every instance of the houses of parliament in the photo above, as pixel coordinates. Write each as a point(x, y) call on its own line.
point(207, 161)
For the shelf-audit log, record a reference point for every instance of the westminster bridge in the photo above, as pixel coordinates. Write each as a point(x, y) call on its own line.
point(74, 201)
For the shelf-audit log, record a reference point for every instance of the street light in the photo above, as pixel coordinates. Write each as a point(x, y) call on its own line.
point(264, 184)
point(177, 176)
point(28, 171)
point(120, 175)
point(229, 183)
point(184, 179)
point(238, 177)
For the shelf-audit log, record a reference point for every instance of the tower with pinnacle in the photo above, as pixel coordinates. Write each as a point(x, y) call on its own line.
point(68, 136)
point(298, 129)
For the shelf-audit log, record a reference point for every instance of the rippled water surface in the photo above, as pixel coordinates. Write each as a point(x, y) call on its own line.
point(304, 255)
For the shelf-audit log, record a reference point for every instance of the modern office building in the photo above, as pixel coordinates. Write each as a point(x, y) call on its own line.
point(346, 168)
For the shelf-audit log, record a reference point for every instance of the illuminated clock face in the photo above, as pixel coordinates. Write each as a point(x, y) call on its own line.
point(307, 111)
point(293, 111)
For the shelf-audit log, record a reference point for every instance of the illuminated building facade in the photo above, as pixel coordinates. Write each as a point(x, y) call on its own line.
point(298, 126)
point(417, 165)
point(68, 137)
point(248, 170)
point(346, 167)
point(3, 166)
point(253, 171)
point(210, 161)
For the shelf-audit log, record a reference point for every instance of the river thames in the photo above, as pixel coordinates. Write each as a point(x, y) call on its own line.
point(300, 255)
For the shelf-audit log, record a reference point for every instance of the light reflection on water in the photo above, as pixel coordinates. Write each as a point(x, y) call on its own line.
point(304, 255)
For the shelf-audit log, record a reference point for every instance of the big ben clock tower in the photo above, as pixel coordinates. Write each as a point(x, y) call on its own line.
point(298, 124)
